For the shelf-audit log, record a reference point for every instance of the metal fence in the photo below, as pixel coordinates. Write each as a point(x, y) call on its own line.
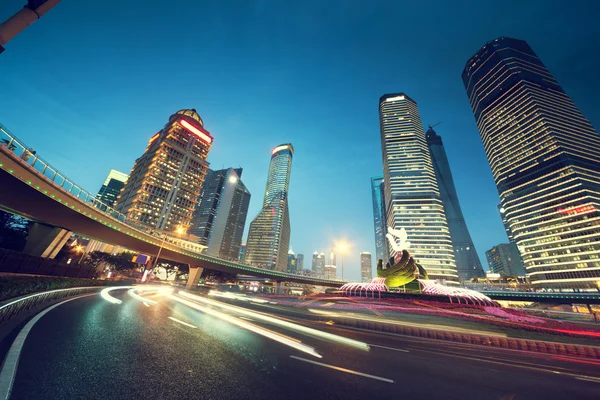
point(21, 263)
point(13, 307)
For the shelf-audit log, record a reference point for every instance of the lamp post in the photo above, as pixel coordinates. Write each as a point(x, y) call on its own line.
point(341, 246)
point(32, 11)
point(179, 231)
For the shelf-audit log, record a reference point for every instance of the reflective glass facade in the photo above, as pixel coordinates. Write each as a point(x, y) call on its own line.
point(376, 186)
point(545, 158)
point(110, 190)
point(165, 182)
point(465, 256)
point(412, 196)
point(504, 259)
point(269, 234)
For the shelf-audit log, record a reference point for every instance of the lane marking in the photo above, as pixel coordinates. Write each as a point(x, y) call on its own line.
point(348, 371)
point(9, 367)
point(182, 323)
point(389, 348)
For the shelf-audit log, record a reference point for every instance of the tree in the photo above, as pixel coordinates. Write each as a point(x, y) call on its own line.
point(171, 268)
point(13, 231)
point(217, 276)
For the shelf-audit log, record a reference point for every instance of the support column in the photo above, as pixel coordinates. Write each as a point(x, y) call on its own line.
point(45, 240)
point(194, 277)
point(279, 288)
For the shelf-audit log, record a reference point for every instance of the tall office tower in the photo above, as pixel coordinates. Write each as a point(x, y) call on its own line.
point(366, 267)
point(465, 256)
point(380, 245)
point(504, 259)
point(545, 159)
point(329, 271)
point(112, 186)
point(318, 264)
point(291, 262)
point(220, 215)
point(165, 182)
point(332, 258)
point(242, 253)
point(299, 263)
point(269, 234)
point(412, 196)
point(509, 234)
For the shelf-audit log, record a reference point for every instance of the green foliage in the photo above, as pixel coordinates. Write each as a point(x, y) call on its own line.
point(13, 231)
point(118, 262)
point(217, 276)
point(19, 285)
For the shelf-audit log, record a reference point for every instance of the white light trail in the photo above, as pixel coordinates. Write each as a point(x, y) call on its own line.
point(106, 296)
point(285, 324)
point(133, 293)
point(248, 326)
point(182, 323)
point(346, 370)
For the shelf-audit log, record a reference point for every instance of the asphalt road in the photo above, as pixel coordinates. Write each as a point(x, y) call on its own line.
point(90, 348)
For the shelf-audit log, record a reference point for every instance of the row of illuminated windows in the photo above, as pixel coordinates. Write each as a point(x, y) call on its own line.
point(583, 273)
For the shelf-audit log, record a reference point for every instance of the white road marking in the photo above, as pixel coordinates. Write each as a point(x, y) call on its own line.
point(9, 368)
point(349, 371)
point(389, 348)
point(182, 323)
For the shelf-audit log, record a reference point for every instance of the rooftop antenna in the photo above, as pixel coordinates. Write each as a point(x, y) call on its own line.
point(434, 125)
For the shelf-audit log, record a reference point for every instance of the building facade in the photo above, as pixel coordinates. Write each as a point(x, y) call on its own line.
point(165, 182)
point(269, 234)
point(378, 206)
point(299, 263)
point(292, 262)
point(318, 264)
point(412, 197)
point(114, 182)
point(545, 159)
point(329, 271)
point(366, 267)
point(467, 261)
point(509, 234)
point(220, 216)
point(504, 259)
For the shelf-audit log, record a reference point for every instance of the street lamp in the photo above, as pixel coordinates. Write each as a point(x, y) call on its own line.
point(341, 247)
point(179, 230)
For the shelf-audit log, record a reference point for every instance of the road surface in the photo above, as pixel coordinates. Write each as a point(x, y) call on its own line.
point(89, 348)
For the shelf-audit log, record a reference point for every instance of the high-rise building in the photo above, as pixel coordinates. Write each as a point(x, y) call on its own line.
point(114, 182)
point(504, 259)
point(412, 196)
point(242, 253)
point(291, 262)
point(509, 234)
point(545, 159)
point(378, 219)
point(318, 264)
point(465, 256)
point(366, 267)
point(165, 182)
point(269, 234)
point(220, 215)
point(299, 263)
point(329, 271)
point(332, 258)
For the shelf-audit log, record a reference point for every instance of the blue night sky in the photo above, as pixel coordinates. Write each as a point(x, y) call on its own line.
point(86, 86)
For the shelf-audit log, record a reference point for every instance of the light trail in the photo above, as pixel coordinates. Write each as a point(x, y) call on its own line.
point(106, 296)
point(248, 326)
point(285, 324)
point(133, 293)
point(346, 370)
point(182, 323)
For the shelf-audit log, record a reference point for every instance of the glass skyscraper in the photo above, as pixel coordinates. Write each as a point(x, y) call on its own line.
point(366, 267)
point(467, 261)
point(220, 216)
point(165, 182)
point(545, 159)
point(114, 182)
point(412, 196)
point(269, 234)
point(376, 187)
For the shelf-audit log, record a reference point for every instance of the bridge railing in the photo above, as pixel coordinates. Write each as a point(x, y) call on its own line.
point(58, 179)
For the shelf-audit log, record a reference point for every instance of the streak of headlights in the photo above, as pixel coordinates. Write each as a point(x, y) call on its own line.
point(248, 326)
point(276, 321)
point(234, 296)
point(106, 296)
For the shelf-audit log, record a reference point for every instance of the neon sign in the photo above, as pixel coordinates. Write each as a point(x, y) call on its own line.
point(191, 128)
point(575, 210)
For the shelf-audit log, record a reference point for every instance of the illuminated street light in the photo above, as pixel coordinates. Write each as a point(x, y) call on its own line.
point(341, 247)
point(179, 230)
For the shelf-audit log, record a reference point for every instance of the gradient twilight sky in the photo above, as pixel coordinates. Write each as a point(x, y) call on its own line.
point(88, 85)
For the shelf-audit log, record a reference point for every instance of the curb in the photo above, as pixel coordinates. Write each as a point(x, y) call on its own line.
point(538, 346)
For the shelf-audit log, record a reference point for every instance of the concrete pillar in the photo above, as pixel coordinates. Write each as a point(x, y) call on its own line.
point(194, 277)
point(279, 288)
point(45, 240)
point(21, 20)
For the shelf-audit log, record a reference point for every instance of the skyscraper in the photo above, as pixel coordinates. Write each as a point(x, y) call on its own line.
point(220, 215)
point(242, 253)
point(318, 264)
point(376, 185)
point(504, 259)
point(465, 256)
point(366, 267)
point(545, 159)
point(165, 182)
point(269, 234)
point(509, 234)
point(332, 258)
point(291, 262)
point(299, 263)
point(412, 197)
point(111, 188)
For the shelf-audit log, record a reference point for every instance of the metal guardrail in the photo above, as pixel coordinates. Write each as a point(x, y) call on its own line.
point(14, 307)
point(58, 179)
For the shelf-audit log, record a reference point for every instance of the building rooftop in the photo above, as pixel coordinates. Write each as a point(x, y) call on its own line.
point(192, 113)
